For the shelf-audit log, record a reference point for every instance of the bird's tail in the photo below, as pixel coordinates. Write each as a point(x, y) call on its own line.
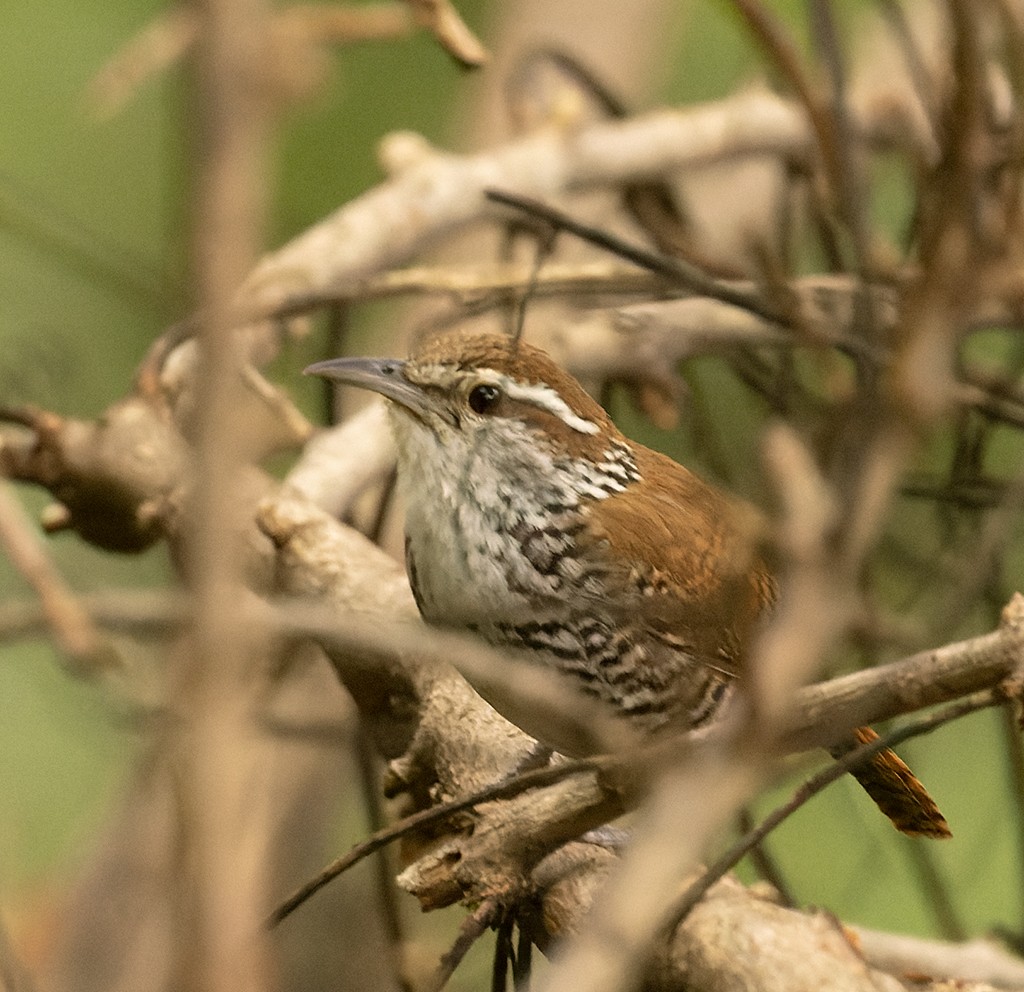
point(896, 790)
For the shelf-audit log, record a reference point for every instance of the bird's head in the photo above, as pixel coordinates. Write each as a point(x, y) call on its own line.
point(475, 390)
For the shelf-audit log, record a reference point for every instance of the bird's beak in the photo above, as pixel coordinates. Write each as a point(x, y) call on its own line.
point(381, 375)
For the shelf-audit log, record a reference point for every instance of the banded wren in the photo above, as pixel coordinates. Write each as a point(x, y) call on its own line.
point(534, 522)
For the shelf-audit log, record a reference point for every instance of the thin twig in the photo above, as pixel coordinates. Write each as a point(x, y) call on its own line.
point(680, 272)
point(544, 247)
point(935, 891)
point(338, 323)
point(390, 223)
point(472, 929)
point(344, 23)
point(848, 183)
point(161, 43)
point(73, 628)
point(425, 818)
point(991, 657)
point(764, 864)
point(384, 502)
point(815, 784)
point(655, 205)
point(369, 784)
point(773, 36)
point(467, 284)
point(838, 125)
point(443, 21)
point(169, 36)
point(145, 615)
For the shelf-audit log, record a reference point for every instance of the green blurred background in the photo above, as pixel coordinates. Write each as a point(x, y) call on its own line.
point(92, 234)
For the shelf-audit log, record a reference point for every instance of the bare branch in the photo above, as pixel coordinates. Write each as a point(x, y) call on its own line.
point(812, 786)
point(469, 284)
point(72, 626)
point(427, 818)
point(160, 44)
point(220, 888)
point(980, 960)
point(340, 463)
point(442, 19)
point(684, 274)
point(436, 193)
point(472, 929)
point(921, 680)
point(298, 33)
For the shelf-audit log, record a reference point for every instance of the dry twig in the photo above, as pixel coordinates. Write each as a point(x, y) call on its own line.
point(72, 626)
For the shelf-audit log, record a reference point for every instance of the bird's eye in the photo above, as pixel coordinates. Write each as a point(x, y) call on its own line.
point(484, 398)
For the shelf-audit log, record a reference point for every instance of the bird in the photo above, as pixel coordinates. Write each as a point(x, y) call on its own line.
point(534, 522)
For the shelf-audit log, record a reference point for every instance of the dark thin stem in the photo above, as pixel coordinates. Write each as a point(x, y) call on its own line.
point(936, 891)
point(570, 66)
point(836, 121)
point(782, 51)
point(426, 817)
point(957, 180)
point(676, 270)
point(815, 784)
point(503, 955)
point(971, 494)
point(999, 403)
point(545, 245)
point(764, 864)
point(847, 179)
point(369, 782)
point(653, 204)
point(24, 416)
point(522, 966)
point(472, 929)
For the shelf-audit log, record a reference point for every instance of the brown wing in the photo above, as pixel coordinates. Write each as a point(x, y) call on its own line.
point(690, 553)
point(686, 562)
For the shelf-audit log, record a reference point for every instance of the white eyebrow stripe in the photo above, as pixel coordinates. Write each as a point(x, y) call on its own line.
point(545, 398)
